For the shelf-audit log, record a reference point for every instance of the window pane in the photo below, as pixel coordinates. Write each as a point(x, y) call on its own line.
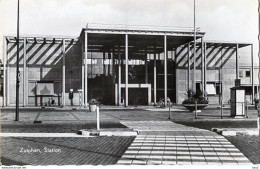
point(241, 72)
point(247, 73)
point(210, 88)
point(218, 88)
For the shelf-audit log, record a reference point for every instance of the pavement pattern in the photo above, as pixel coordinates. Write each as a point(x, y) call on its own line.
point(63, 151)
point(165, 142)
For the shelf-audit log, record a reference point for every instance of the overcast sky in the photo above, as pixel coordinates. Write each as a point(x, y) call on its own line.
point(227, 20)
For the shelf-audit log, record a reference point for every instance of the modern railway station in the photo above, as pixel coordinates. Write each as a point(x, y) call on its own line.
point(125, 65)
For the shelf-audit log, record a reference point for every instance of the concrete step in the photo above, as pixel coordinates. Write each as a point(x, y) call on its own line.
point(236, 131)
point(108, 132)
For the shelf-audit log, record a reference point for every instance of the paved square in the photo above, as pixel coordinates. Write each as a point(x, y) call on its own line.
point(195, 146)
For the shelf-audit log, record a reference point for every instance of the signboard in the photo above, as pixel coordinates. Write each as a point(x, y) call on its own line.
point(45, 88)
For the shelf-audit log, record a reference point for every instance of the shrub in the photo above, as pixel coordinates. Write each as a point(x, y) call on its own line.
point(94, 102)
point(195, 96)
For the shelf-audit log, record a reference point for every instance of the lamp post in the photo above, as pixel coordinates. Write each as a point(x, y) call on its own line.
point(17, 68)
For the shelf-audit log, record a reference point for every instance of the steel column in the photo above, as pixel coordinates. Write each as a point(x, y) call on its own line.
point(146, 69)
point(126, 70)
point(205, 69)
point(25, 96)
point(165, 70)
point(86, 70)
point(154, 77)
point(63, 72)
point(194, 52)
point(4, 73)
point(82, 75)
point(17, 67)
point(7, 76)
point(188, 66)
point(237, 69)
point(113, 67)
point(113, 73)
point(252, 74)
point(202, 65)
point(119, 76)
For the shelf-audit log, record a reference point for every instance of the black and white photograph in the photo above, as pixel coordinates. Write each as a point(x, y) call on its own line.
point(129, 83)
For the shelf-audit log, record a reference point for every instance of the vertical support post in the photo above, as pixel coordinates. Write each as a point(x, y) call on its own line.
point(165, 70)
point(17, 67)
point(7, 75)
point(194, 69)
point(194, 50)
point(25, 97)
point(221, 103)
point(82, 75)
point(63, 72)
point(154, 77)
point(252, 73)
point(202, 65)
point(4, 73)
point(119, 75)
point(113, 73)
point(237, 69)
point(146, 67)
point(104, 66)
point(188, 66)
point(109, 62)
point(176, 77)
point(113, 67)
point(86, 71)
point(196, 109)
point(221, 75)
point(205, 69)
point(126, 70)
point(98, 122)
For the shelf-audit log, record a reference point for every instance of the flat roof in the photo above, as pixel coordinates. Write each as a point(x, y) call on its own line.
point(227, 43)
point(141, 29)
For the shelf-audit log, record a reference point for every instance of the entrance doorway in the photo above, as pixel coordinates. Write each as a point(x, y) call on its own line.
point(138, 96)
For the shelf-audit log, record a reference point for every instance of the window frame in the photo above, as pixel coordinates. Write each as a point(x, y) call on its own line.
point(215, 84)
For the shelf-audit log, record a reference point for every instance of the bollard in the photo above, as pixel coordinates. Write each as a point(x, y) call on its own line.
point(195, 109)
point(258, 121)
point(221, 104)
point(246, 110)
point(169, 111)
point(243, 108)
point(98, 124)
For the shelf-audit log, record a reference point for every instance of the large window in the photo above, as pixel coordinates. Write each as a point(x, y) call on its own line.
point(213, 88)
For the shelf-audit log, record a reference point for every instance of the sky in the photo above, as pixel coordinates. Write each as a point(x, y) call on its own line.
point(222, 20)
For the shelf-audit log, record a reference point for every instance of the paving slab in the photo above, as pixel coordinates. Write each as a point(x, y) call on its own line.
point(192, 151)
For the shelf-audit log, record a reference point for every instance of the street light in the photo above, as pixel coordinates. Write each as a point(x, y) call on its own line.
point(17, 68)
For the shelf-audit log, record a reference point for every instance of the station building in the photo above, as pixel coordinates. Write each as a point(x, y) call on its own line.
point(124, 65)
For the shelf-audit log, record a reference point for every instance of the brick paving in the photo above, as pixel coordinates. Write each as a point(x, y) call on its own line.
point(56, 128)
point(179, 145)
point(73, 151)
point(248, 145)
